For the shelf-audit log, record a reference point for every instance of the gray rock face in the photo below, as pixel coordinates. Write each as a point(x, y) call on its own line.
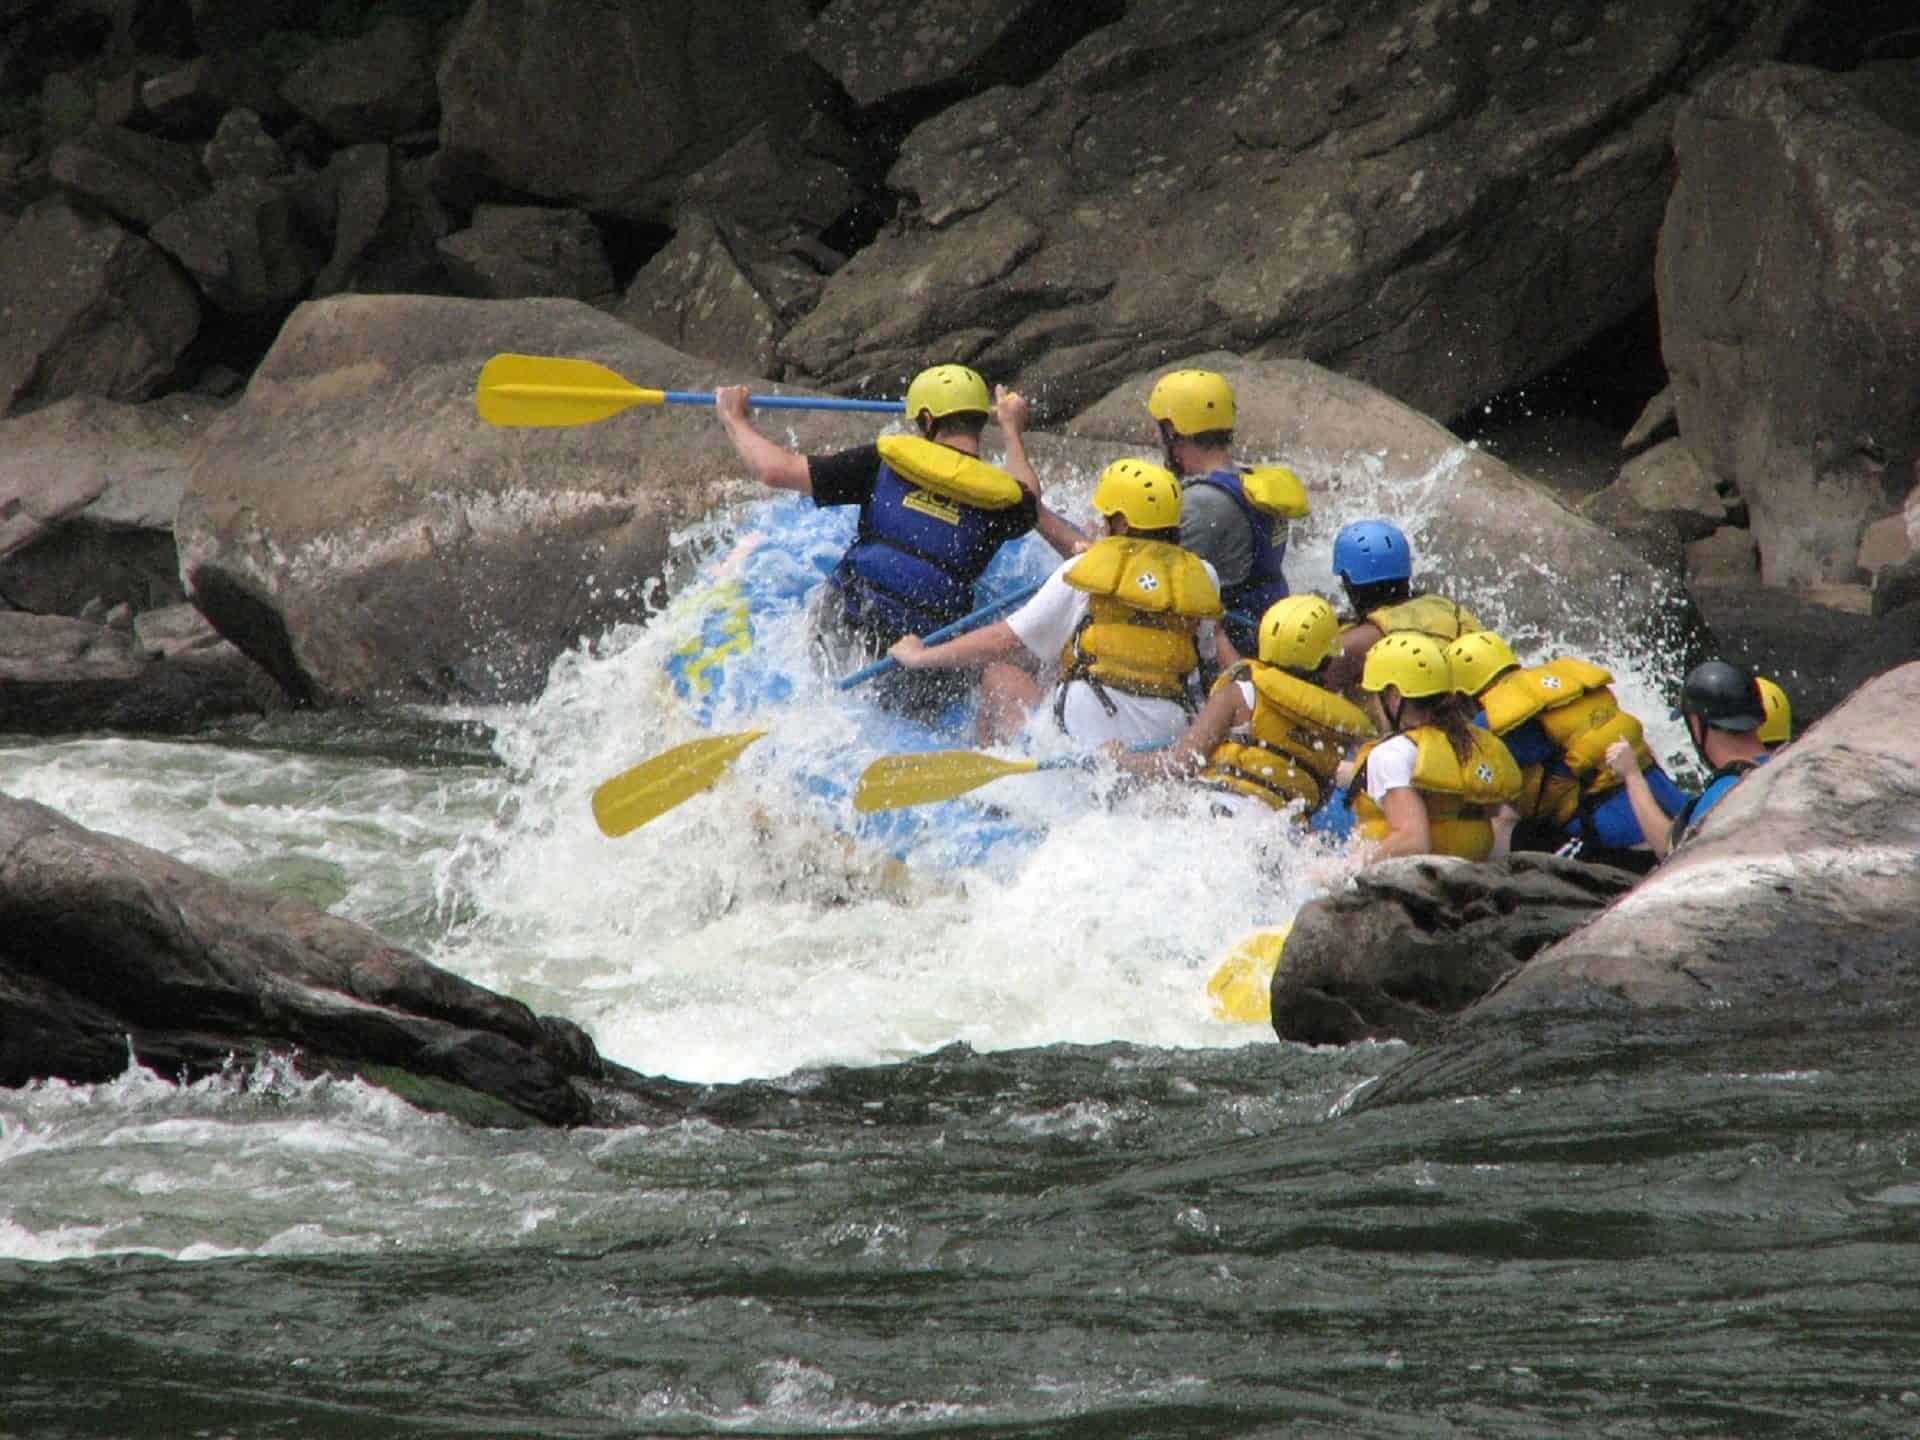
point(105, 943)
point(59, 676)
point(1789, 282)
point(879, 51)
point(670, 89)
point(137, 179)
point(244, 245)
point(355, 527)
point(1413, 942)
point(374, 87)
point(697, 297)
point(1802, 888)
point(86, 308)
point(1374, 186)
point(513, 252)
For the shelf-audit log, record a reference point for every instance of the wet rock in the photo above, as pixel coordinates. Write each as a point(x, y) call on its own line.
point(1725, 558)
point(1658, 421)
point(355, 527)
point(188, 101)
point(106, 945)
point(1790, 320)
point(1891, 639)
point(61, 676)
point(1802, 888)
point(1799, 638)
point(1369, 186)
point(1896, 586)
point(374, 87)
point(89, 309)
point(137, 179)
point(1411, 943)
point(514, 252)
point(611, 108)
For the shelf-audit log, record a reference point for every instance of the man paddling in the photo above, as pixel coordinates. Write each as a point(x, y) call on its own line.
point(1723, 710)
point(1123, 627)
point(933, 515)
point(1233, 517)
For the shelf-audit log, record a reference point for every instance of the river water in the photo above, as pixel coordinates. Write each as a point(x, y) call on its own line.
point(972, 1156)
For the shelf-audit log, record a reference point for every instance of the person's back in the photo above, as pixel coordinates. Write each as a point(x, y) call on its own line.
point(1296, 730)
point(1235, 518)
point(1374, 564)
point(1724, 712)
point(1558, 720)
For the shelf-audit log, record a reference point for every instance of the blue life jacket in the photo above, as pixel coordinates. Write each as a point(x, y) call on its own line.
point(913, 561)
point(1264, 583)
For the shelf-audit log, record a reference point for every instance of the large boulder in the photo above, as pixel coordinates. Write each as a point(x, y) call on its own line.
point(1789, 282)
point(87, 308)
point(1441, 200)
point(1801, 890)
point(1481, 534)
point(1411, 943)
point(610, 106)
point(106, 945)
point(354, 526)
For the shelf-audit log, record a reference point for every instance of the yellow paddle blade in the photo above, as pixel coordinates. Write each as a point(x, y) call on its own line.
point(895, 781)
point(1241, 986)
point(543, 390)
point(632, 798)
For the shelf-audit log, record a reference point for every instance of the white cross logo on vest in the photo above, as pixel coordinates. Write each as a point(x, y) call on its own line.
point(1485, 772)
point(1549, 682)
point(1148, 581)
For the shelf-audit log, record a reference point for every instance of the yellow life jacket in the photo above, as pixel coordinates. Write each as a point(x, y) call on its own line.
point(1429, 614)
point(1145, 602)
point(1460, 795)
point(1298, 735)
point(950, 473)
point(1274, 490)
point(1580, 716)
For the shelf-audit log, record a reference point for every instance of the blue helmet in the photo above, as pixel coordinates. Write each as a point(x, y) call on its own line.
point(1370, 551)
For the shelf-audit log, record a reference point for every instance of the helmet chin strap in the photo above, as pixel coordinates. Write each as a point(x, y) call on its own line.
point(1697, 734)
point(1393, 715)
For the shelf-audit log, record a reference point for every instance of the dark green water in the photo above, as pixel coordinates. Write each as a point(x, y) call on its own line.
point(1719, 1240)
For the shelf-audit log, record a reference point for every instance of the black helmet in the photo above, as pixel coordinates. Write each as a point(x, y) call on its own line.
point(1723, 695)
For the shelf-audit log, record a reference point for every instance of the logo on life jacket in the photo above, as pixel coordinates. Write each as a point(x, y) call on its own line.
point(937, 506)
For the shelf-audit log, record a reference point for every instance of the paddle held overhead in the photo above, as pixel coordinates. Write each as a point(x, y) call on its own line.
point(547, 390)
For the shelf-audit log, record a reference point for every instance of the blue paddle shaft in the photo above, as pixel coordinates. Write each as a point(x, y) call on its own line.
point(790, 402)
point(945, 632)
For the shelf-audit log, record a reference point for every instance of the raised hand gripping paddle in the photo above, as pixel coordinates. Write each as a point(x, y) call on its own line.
point(548, 390)
point(653, 787)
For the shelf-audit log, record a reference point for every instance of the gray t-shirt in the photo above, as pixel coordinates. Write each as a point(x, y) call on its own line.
point(1215, 529)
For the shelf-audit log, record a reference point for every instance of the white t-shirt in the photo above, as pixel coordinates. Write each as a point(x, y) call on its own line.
point(1390, 767)
point(1045, 624)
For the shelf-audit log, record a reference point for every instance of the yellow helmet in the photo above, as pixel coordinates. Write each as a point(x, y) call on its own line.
point(1777, 728)
point(1192, 401)
point(946, 390)
point(1145, 493)
point(1413, 662)
point(1298, 632)
point(1477, 657)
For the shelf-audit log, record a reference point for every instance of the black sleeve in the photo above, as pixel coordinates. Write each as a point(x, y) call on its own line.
point(845, 477)
point(1016, 520)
